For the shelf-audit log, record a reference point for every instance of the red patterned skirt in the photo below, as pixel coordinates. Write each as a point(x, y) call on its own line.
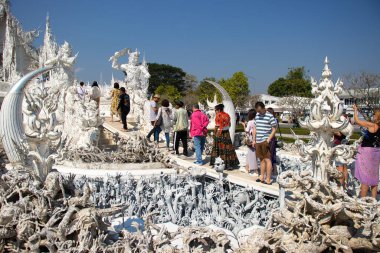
point(223, 148)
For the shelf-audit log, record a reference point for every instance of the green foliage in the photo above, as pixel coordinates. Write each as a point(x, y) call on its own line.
point(166, 75)
point(169, 92)
point(206, 90)
point(294, 84)
point(238, 88)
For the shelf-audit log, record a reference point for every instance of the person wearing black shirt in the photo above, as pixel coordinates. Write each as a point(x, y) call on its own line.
point(124, 106)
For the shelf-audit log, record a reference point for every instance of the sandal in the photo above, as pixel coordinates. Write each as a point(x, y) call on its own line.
point(270, 183)
point(259, 181)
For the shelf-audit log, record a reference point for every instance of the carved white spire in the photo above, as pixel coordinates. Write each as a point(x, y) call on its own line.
point(144, 61)
point(326, 73)
point(49, 48)
point(112, 80)
point(325, 119)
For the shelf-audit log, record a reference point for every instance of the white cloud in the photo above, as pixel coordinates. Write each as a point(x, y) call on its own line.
point(78, 69)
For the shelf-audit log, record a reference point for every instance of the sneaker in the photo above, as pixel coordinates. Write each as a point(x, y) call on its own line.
point(197, 163)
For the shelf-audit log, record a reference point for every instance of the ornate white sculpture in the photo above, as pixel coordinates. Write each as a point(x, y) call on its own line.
point(137, 82)
point(77, 119)
point(211, 112)
point(18, 54)
point(49, 112)
point(325, 119)
point(82, 121)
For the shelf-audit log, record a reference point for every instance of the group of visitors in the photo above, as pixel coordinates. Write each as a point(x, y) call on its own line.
point(261, 129)
point(94, 93)
point(165, 119)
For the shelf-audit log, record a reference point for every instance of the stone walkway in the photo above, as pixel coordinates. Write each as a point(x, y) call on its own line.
point(238, 177)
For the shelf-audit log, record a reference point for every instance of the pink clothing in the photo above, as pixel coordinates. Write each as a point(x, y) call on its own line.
point(249, 128)
point(198, 124)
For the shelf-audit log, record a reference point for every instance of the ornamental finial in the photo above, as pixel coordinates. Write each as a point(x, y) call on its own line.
point(326, 73)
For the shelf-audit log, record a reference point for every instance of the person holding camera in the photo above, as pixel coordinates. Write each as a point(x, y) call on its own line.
point(368, 156)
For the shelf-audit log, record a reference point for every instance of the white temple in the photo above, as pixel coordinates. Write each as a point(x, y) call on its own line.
point(137, 197)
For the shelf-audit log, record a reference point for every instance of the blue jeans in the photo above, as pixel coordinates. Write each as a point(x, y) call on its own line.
point(167, 137)
point(157, 131)
point(199, 144)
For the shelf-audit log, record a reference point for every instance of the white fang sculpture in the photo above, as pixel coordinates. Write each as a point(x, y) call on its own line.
point(228, 107)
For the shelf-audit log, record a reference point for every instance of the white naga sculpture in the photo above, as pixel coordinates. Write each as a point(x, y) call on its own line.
point(325, 119)
point(38, 144)
point(137, 82)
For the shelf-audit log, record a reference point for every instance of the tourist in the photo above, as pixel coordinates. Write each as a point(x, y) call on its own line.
point(250, 129)
point(368, 156)
point(198, 131)
point(115, 95)
point(152, 116)
point(95, 93)
point(81, 90)
point(237, 118)
point(265, 132)
point(222, 146)
point(124, 106)
point(338, 140)
point(181, 126)
point(273, 143)
point(164, 119)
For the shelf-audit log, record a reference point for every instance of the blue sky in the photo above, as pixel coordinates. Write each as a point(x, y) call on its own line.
point(218, 37)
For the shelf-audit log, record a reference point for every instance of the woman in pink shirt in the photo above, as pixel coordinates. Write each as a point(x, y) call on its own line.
point(198, 130)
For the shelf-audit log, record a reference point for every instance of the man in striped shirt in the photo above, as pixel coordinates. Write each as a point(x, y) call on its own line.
point(265, 132)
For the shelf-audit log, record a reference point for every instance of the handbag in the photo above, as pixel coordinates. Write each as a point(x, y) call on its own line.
point(247, 141)
point(159, 120)
point(279, 142)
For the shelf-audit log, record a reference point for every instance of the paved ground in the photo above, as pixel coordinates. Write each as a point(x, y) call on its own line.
point(236, 176)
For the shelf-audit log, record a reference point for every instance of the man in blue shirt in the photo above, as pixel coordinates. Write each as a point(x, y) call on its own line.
point(265, 132)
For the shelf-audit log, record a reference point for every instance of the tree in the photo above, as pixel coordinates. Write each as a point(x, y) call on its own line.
point(190, 99)
point(237, 87)
point(365, 87)
point(296, 105)
point(190, 82)
point(205, 90)
point(169, 92)
point(252, 100)
point(165, 74)
point(294, 84)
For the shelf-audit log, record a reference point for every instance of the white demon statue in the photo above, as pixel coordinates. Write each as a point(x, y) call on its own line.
point(137, 81)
